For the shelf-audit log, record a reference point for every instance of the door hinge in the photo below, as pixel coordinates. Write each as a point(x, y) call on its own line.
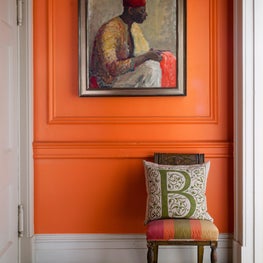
point(19, 7)
point(20, 220)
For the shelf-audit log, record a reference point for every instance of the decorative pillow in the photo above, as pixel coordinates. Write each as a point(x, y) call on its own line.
point(176, 191)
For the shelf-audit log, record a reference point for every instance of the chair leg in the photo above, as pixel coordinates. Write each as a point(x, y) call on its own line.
point(152, 254)
point(213, 252)
point(200, 253)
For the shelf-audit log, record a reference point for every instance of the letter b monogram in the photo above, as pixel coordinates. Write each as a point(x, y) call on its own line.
point(176, 198)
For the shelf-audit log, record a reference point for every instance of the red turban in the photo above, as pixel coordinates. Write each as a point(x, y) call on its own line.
point(134, 3)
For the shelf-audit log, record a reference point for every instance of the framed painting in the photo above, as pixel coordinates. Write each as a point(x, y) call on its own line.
point(132, 48)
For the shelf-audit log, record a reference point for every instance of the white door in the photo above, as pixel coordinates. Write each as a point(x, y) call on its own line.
point(9, 132)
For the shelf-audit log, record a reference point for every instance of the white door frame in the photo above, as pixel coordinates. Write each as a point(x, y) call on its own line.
point(26, 131)
point(258, 110)
point(248, 127)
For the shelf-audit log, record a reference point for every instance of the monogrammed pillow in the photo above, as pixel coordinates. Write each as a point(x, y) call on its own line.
point(176, 191)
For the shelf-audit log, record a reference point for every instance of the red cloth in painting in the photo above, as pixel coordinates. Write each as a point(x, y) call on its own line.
point(93, 82)
point(168, 66)
point(134, 3)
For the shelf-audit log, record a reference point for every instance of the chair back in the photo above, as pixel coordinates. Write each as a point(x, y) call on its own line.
point(179, 159)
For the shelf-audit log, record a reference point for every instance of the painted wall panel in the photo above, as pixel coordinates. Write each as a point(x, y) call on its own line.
point(88, 152)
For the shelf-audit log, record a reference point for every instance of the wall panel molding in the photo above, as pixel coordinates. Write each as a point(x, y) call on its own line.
point(127, 150)
point(54, 111)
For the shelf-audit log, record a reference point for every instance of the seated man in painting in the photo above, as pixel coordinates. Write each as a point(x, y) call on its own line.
point(121, 56)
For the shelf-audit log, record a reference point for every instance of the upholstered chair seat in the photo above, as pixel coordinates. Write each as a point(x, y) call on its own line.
point(181, 229)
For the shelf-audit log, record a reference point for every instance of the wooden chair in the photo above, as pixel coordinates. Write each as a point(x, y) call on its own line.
point(152, 244)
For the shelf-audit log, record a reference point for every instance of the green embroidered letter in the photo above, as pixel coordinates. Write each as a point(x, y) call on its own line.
point(175, 184)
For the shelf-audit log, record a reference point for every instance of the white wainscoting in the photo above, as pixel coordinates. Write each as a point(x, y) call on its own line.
point(100, 248)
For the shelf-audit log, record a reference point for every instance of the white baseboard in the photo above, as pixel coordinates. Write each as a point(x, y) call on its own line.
point(100, 248)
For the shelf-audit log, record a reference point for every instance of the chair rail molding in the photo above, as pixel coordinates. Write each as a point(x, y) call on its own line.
point(91, 150)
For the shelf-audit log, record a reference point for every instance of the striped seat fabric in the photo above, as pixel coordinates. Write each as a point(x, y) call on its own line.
point(182, 229)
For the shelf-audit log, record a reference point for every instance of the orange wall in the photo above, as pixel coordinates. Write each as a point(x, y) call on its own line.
point(88, 152)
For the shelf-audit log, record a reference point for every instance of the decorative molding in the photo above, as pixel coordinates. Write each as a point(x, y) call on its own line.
point(124, 150)
point(213, 55)
point(248, 126)
point(237, 252)
point(258, 129)
point(26, 187)
point(211, 118)
point(97, 248)
point(51, 74)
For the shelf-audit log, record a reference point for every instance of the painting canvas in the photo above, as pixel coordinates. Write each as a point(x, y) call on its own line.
point(132, 48)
